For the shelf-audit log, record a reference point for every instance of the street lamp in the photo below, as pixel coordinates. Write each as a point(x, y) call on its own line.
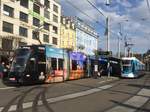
point(119, 35)
point(108, 2)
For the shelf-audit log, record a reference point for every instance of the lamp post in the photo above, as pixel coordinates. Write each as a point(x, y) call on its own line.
point(108, 2)
point(108, 34)
point(118, 46)
point(63, 62)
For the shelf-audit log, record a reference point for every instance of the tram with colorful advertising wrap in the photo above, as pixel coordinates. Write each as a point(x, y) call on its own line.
point(77, 66)
point(45, 64)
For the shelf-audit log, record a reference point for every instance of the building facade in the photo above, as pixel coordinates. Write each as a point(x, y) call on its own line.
point(68, 34)
point(86, 37)
point(147, 61)
point(27, 22)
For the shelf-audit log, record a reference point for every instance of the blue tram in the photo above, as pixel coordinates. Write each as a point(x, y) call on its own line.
point(131, 67)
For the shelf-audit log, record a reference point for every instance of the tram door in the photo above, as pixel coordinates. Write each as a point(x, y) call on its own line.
point(41, 58)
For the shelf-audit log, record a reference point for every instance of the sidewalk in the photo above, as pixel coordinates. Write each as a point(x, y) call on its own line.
point(1, 84)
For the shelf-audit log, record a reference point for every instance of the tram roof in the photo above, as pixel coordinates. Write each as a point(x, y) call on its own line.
point(132, 58)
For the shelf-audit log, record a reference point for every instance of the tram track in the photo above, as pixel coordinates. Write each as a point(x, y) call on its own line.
point(40, 99)
point(21, 98)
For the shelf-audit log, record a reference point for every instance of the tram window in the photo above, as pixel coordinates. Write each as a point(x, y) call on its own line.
point(48, 67)
point(126, 62)
point(32, 64)
point(74, 65)
point(134, 67)
point(41, 57)
point(60, 64)
point(54, 63)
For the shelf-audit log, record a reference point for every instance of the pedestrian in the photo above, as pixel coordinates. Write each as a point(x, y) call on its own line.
point(2, 67)
point(108, 69)
point(95, 71)
point(100, 71)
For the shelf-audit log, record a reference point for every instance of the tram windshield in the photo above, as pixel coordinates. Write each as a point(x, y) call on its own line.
point(20, 60)
point(126, 65)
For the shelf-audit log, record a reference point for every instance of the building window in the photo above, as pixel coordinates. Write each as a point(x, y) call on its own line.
point(55, 8)
point(22, 44)
point(7, 27)
point(8, 11)
point(23, 17)
point(46, 26)
point(46, 14)
point(7, 44)
point(24, 3)
point(23, 31)
point(54, 40)
point(47, 3)
point(35, 35)
point(55, 29)
point(46, 38)
point(55, 18)
point(36, 22)
point(36, 8)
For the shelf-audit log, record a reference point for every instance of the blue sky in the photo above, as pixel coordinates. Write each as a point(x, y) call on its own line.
point(129, 13)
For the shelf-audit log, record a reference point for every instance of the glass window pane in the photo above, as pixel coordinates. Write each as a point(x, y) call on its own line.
point(46, 38)
point(54, 63)
point(7, 27)
point(54, 40)
point(8, 11)
point(23, 17)
point(23, 31)
point(24, 3)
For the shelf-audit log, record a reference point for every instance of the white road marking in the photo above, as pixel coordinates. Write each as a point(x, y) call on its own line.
point(105, 87)
point(101, 82)
point(145, 92)
point(62, 98)
point(7, 88)
point(121, 109)
point(106, 80)
point(136, 102)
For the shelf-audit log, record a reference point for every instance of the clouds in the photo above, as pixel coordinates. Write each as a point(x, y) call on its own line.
point(135, 11)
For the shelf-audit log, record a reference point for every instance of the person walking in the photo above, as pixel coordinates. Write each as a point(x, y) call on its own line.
point(95, 71)
point(2, 67)
point(108, 69)
point(100, 71)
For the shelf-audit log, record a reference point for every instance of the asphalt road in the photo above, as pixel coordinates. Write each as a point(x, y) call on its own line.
point(84, 95)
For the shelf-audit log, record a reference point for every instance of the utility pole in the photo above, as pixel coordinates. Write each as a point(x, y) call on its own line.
point(125, 46)
point(108, 34)
point(120, 35)
point(118, 47)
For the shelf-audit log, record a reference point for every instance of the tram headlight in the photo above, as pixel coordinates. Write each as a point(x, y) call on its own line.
point(27, 75)
point(5, 70)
